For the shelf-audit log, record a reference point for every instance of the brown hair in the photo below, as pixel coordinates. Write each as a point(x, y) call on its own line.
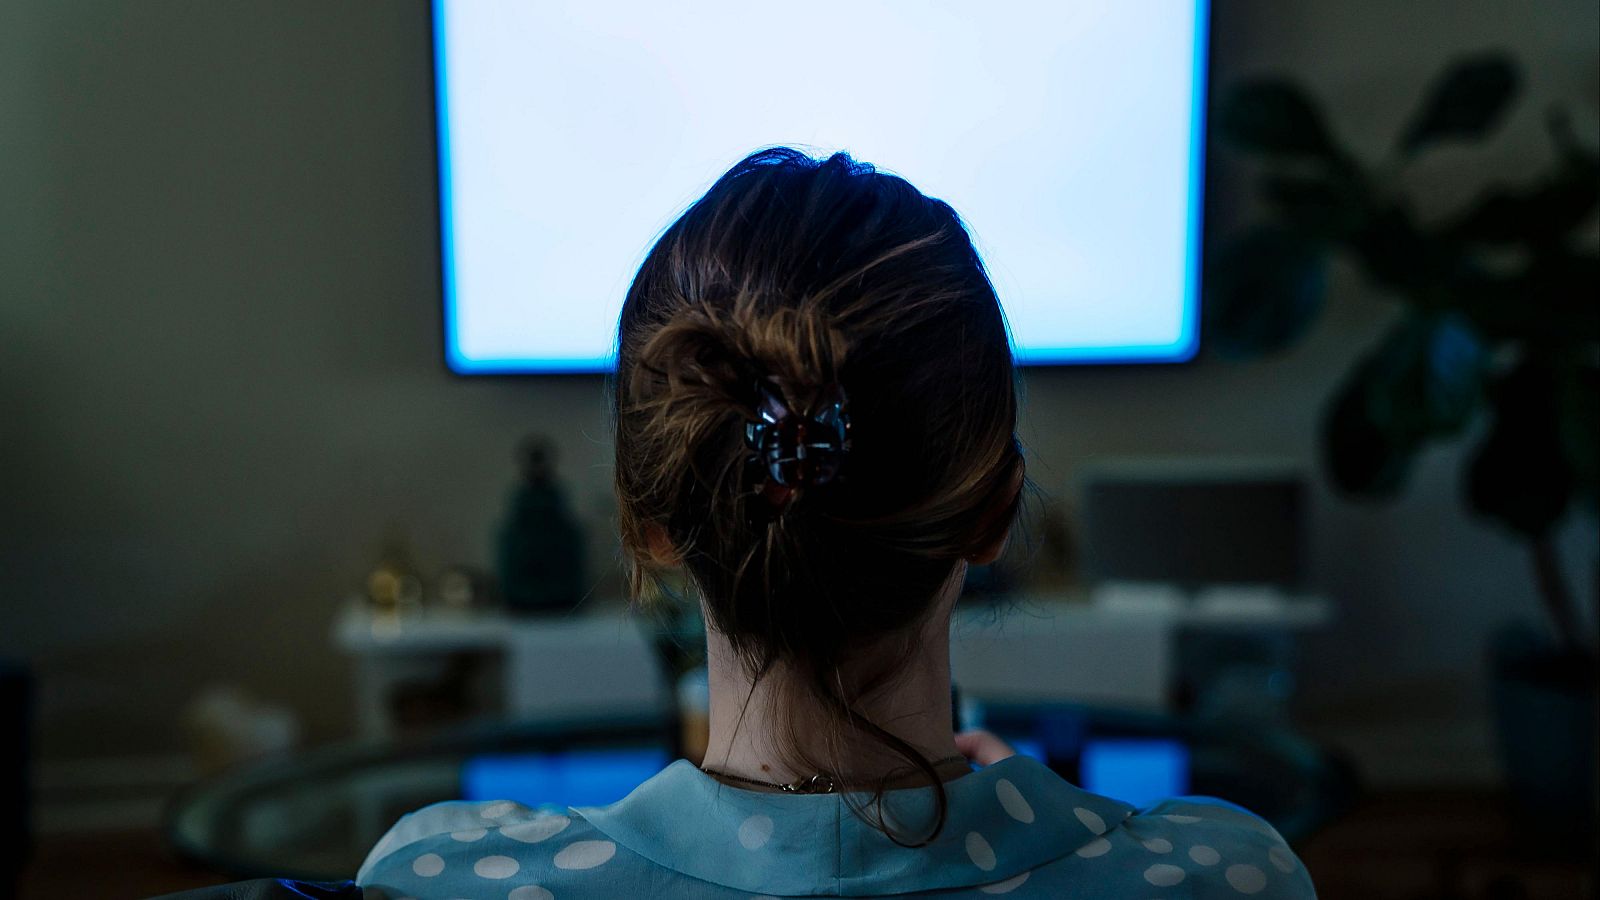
point(807, 273)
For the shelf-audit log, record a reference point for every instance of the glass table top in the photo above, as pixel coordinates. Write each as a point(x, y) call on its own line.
point(315, 814)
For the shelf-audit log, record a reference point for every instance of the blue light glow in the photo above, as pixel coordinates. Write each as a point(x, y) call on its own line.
point(578, 778)
point(1136, 771)
point(1029, 748)
point(1069, 136)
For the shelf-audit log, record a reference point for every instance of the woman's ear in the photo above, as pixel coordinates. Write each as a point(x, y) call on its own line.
point(659, 546)
point(992, 552)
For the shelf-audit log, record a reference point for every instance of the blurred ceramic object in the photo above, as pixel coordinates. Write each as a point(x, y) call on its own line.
point(540, 548)
point(394, 586)
point(227, 727)
point(464, 589)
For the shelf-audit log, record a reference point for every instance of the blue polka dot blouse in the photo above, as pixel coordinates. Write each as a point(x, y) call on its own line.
point(1013, 828)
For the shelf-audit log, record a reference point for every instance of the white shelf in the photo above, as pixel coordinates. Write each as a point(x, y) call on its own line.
point(554, 666)
point(360, 630)
point(1033, 647)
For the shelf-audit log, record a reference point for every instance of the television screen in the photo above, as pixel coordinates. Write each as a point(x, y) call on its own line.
point(1067, 135)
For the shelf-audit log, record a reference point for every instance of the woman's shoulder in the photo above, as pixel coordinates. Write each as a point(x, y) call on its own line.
point(442, 849)
point(1212, 847)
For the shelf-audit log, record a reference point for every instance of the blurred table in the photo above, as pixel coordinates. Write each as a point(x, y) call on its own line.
point(314, 814)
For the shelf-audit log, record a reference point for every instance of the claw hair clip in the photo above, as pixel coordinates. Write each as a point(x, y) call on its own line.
point(798, 449)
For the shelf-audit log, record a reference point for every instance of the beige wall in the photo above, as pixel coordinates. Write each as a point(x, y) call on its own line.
point(220, 381)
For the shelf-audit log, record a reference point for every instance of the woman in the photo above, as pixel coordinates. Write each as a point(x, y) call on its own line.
point(815, 409)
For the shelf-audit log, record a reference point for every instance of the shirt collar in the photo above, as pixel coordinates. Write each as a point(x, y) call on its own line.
point(1003, 820)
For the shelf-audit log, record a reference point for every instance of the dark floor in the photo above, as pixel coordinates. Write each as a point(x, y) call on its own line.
point(1395, 846)
point(1456, 845)
point(111, 865)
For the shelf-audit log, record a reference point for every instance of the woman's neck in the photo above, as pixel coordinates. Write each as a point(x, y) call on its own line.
point(748, 738)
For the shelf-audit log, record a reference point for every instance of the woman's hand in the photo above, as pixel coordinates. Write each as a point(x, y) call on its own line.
point(983, 748)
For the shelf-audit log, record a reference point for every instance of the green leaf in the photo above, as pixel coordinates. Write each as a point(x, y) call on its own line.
point(1563, 289)
point(1579, 411)
point(1400, 255)
point(1263, 292)
point(1426, 378)
point(1275, 118)
point(1456, 362)
point(1422, 382)
point(1333, 207)
point(1468, 101)
point(1544, 212)
point(1574, 155)
point(1550, 301)
point(1520, 474)
point(1359, 455)
point(1389, 247)
point(1496, 305)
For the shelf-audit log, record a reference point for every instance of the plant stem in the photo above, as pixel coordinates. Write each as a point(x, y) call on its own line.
point(1555, 592)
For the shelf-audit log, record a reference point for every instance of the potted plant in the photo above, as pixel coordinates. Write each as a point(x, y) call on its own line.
point(1497, 317)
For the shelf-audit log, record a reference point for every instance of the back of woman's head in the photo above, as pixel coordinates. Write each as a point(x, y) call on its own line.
point(806, 280)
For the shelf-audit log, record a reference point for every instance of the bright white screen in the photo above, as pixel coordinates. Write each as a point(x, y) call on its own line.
point(1066, 134)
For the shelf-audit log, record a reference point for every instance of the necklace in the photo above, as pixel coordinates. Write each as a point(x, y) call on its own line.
point(814, 784)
